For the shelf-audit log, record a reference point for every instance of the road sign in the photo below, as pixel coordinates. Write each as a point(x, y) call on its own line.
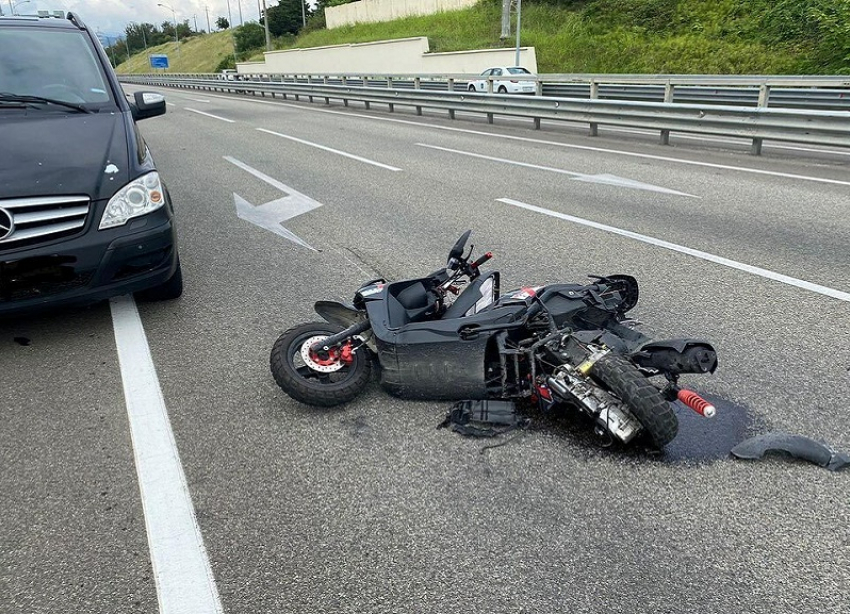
point(159, 61)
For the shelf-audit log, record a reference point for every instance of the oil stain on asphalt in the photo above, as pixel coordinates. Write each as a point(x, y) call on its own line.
point(699, 439)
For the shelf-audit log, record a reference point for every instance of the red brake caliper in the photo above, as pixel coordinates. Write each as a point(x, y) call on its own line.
point(347, 354)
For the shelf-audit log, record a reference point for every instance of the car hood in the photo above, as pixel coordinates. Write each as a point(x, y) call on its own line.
point(46, 154)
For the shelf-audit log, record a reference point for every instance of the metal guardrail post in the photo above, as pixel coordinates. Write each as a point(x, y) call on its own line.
point(327, 100)
point(417, 85)
point(309, 82)
point(345, 84)
point(389, 87)
point(764, 95)
point(594, 95)
point(668, 97)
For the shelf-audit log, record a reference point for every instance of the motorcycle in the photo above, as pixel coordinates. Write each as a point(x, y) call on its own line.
point(453, 335)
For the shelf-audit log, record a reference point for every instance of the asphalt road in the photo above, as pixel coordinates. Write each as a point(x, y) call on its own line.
point(369, 508)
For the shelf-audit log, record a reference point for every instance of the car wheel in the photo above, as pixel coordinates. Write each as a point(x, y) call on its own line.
point(503, 89)
point(471, 88)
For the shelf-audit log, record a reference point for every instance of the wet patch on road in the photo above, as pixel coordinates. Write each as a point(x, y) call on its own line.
point(702, 439)
point(699, 439)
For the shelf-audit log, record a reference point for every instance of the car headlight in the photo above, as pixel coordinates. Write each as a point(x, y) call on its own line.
point(139, 197)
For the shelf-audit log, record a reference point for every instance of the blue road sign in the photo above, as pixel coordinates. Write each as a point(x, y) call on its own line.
point(159, 61)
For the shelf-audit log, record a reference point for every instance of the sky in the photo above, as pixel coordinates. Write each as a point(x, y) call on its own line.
point(110, 17)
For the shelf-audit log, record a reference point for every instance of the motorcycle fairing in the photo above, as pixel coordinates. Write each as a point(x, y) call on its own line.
point(338, 313)
point(430, 359)
point(677, 356)
point(797, 446)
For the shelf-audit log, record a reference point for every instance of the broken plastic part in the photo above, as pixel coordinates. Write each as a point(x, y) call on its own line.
point(797, 446)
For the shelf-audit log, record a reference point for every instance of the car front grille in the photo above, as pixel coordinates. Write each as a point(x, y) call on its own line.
point(37, 220)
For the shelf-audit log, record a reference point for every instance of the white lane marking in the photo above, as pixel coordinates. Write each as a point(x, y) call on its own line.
point(224, 119)
point(336, 151)
point(196, 99)
point(785, 279)
point(599, 178)
point(272, 214)
point(742, 169)
point(181, 567)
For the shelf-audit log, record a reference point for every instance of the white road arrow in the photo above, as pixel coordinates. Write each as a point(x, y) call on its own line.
point(272, 214)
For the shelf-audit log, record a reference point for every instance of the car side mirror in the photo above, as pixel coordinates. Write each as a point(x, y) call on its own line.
point(147, 104)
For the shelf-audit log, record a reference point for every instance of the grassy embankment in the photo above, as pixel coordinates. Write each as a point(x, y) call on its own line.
point(605, 36)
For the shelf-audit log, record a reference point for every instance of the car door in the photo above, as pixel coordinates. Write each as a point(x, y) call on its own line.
point(481, 84)
point(497, 72)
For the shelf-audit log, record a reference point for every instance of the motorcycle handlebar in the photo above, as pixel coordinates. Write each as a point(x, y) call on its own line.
point(481, 260)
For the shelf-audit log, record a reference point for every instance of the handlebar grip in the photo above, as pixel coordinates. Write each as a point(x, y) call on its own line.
point(481, 260)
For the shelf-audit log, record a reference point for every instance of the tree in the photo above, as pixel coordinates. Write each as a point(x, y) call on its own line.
point(249, 36)
point(140, 35)
point(221, 23)
point(286, 17)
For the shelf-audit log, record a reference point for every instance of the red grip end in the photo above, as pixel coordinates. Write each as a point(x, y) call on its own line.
point(697, 403)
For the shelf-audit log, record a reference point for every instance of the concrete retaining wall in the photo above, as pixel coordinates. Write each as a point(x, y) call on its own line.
point(402, 56)
point(370, 11)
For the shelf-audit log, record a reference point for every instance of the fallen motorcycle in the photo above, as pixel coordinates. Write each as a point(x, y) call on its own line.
point(452, 335)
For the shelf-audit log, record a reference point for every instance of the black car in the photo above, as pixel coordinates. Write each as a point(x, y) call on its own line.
point(84, 215)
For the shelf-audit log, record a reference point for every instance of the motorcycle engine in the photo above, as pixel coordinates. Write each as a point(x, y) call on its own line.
point(610, 414)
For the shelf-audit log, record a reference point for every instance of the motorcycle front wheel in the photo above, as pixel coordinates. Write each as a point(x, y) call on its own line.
point(324, 379)
point(643, 399)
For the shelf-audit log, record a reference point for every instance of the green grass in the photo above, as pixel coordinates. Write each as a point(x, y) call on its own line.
point(604, 36)
point(197, 54)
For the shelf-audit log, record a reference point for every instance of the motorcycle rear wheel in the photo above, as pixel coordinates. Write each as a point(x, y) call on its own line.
point(328, 384)
point(643, 399)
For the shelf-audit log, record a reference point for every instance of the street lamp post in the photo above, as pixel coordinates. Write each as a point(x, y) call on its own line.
point(174, 15)
point(518, 18)
point(15, 6)
point(266, 27)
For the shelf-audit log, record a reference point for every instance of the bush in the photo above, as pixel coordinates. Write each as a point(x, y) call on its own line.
point(227, 62)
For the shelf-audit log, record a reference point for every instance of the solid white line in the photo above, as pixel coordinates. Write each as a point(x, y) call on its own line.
point(181, 568)
point(742, 169)
point(791, 281)
point(196, 99)
point(336, 151)
point(224, 119)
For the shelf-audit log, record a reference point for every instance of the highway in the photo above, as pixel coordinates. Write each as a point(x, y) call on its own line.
point(369, 507)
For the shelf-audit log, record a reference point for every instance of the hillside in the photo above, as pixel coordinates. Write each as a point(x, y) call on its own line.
point(605, 36)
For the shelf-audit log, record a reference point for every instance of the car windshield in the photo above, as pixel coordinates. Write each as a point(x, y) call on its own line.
point(60, 65)
point(518, 70)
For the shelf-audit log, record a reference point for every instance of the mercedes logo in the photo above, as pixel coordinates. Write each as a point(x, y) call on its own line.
point(7, 224)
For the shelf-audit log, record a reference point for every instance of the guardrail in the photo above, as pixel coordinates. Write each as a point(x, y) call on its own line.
point(758, 123)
